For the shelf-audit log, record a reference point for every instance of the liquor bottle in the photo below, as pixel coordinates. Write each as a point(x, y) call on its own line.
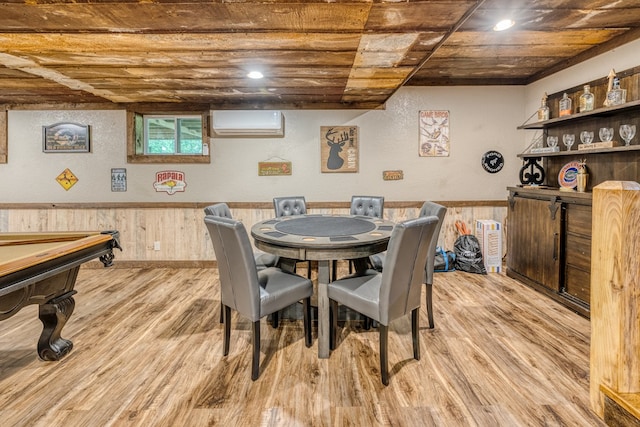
point(586, 99)
point(565, 105)
point(543, 111)
point(616, 95)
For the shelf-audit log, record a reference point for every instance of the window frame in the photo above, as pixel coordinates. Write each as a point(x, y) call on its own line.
point(136, 138)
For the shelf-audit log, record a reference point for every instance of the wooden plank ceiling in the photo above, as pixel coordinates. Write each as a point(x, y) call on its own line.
point(313, 54)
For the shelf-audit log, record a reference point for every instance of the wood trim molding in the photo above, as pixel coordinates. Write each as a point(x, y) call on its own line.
point(243, 205)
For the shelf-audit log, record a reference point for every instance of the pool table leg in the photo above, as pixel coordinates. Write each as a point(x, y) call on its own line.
point(54, 315)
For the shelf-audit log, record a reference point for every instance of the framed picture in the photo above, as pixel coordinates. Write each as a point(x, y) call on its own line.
point(65, 138)
point(434, 134)
point(339, 148)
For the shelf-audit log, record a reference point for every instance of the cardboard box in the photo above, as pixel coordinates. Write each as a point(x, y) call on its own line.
point(489, 234)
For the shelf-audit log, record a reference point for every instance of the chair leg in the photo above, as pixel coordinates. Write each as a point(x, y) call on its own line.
point(226, 320)
point(255, 364)
point(275, 319)
point(333, 324)
point(221, 312)
point(367, 323)
point(415, 332)
point(306, 304)
point(308, 269)
point(334, 270)
point(430, 305)
point(384, 368)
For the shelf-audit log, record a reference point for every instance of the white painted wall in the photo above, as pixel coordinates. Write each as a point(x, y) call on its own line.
point(482, 119)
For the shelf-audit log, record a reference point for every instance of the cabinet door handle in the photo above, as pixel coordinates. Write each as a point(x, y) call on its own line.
point(556, 242)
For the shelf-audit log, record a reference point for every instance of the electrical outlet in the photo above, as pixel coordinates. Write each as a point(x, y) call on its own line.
point(156, 246)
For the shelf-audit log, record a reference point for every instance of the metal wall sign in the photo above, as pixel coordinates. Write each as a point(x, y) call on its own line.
point(118, 179)
point(170, 182)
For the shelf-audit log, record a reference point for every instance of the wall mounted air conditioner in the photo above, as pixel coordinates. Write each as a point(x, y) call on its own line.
point(247, 123)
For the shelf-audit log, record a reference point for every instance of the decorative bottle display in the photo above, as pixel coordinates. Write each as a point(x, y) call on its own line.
point(543, 111)
point(582, 177)
point(616, 95)
point(586, 99)
point(565, 105)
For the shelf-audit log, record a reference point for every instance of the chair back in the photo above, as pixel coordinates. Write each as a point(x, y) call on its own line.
point(372, 206)
point(287, 206)
point(219, 209)
point(403, 273)
point(239, 287)
point(430, 209)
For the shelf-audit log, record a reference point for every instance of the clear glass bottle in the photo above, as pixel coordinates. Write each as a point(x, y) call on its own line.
point(565, 105)
point(543, 111)
point(586, 99)
point(616, 95)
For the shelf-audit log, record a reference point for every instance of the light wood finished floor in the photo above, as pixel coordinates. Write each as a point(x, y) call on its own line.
point(148, 352)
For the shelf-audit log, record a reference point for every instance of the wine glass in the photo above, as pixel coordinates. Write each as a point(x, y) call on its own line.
point(627, 132)
point(586, 137)
point(568, 139)
point(552, 141)
point(606, 134)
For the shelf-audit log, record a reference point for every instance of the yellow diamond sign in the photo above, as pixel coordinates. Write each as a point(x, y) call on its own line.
point(67, 179)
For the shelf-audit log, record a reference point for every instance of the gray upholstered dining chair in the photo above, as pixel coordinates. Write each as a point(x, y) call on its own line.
point(263, 260)
point(372, 206)
point(393, 293)
point(253, 294)
point(378, 260)
point(288, 206)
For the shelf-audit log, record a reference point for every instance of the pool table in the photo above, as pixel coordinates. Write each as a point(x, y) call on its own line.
point(41, 268)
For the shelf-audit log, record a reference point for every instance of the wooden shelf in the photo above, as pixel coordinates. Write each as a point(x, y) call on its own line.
point(547, 192)
point(582, 152)
point(600, 112)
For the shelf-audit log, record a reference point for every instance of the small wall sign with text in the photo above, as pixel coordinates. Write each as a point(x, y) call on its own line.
point(392, 175)
point(492, 161)
point(274, 168)
point(67, 179)
point(170, 182)
point(118, 179)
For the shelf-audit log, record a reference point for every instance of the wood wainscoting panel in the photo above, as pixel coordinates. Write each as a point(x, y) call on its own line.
point(180, 228)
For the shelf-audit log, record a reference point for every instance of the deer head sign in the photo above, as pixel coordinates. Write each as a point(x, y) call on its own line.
point(340, 149)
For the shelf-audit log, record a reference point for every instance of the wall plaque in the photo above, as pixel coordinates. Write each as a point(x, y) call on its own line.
point(339, 148)
point(392, 175)
point(274, 168)
point(65, 138)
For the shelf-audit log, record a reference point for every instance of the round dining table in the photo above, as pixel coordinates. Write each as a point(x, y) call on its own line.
point(322, 238)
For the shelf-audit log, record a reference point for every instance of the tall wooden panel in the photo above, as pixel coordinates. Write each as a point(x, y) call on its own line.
point(615, 290)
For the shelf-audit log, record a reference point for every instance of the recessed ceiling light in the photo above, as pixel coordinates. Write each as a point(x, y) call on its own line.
point(505, 24)
point(255, 75)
